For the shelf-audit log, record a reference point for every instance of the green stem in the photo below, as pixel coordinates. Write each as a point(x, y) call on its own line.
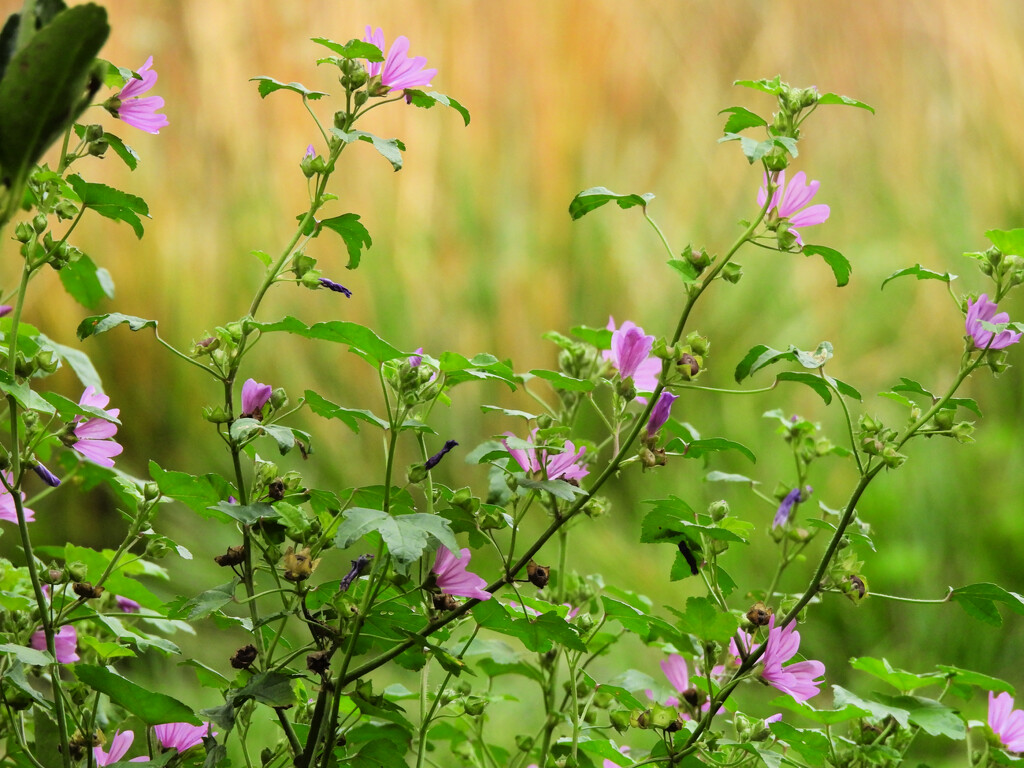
point(661, 235)
point(428, 717)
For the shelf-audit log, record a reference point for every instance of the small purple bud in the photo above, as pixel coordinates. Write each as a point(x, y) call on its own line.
point(46, 475)
point(786, 508)
point(416, 359)
point(434, 460)
point(660, 413)
point(127, 605)
point(336, 287)
point(5, 310)
point(358, 566)
point(310, 152)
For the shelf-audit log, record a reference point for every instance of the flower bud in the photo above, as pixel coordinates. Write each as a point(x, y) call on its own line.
point(340, 119)
point(354, 74)
point(732, 272)
point(216, 414)
point(475, 705)
point(688, 366)
point(718, 509)
point(892, 458)
point(596, 507)
point(620, 719)
point(416, 473)
point(98, 148)
point(66, 209)
point(77, 571)
point(23, 232)
point(776, 160)
point(524, 743)
point(963, 431)
point(39, 223)
point(157, 549)
point(52, 575)
point(361, 98)
point(278, 399)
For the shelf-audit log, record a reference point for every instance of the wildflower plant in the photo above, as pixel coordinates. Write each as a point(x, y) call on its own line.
point(313, 684)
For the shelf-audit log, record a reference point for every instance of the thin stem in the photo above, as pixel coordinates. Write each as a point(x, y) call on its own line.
point(661, 235)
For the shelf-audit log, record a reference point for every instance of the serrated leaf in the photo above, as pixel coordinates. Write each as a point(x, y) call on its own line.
point(899, 679)
point(97, 324)
point(593, 198)
point(879, 711)
point(26, 655)
point(151, 708)
point(838, 263)
point(921, 274)
point(979, 600)
point(390, 149)
point(268, 85)
point(1009, 241)
point(740, 119)
point(773, 86)
point(122, 150)
point(205, 603)
point(360, 339)
point(699, 448)
point(355, 235)
point(77, 359)
point(428, 99)
point(844, 712)
point(808, 379)
point(685, 269)
point(561, 381)
point(560, 489)
point(111, 203)
point(23, 393)
point(86, 283)
point(353, 49)
point(984, 682)
point(198, 492)
point(406, 535)
point(321, 406)
point(931, 716)
point(728, 477)
point(703, 620)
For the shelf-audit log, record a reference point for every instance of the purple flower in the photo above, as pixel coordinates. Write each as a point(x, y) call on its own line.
point(678, 675)
point(799, 679)
point(254, 397)
point(983, 309)
point(415, 360)
point(454, 579)
point(46, 475)
point(559, 466)
point(95, 435)
point(65, 643)
point(786, 508)
point(181, 736)
point(8, 509)
point(140, 112)
point(5, 310)
point(645, 375)
point(1006, 722)
point(434, 460)
point(336, 287)
point(773, 718)
point(127, 605)
point(310, 152)
point(119, 744)
point(398, 70)
point(788, 201)
point(358, 566)
point(660, 413)
point(630, 347)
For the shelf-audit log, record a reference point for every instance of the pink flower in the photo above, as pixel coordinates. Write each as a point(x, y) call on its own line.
point(416, 359)
point(398, 71)
point(630, 347)
point(660, 413)
point(181, 736)
point(127, 605)
point(983, 309)
point(558, 466)
point(678, 675)
point(1006, 722)
point(777, 717)
point(65, 642)
point(254, 397)
point(8, 509)
point(454, 579)
point(140, 112)
point(94, 435)
point(798, 680)
point(119, 744)
point(787, 202)
point(5, 310)
point(645, 374)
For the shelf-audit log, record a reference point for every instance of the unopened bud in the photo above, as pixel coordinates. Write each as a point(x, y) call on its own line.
point(718, 510)
point(216, 414)
point(732, 272)
point(99, 148)
point(23, 232)
point(524, 743)
point(78, 571)
point(963, 431)
point(620, 720)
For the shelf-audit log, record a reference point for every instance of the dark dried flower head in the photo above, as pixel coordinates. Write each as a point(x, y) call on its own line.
point(299, 566)
point(445, 603)
point(276, 489)
point(234, 556)
point(86, 590)
point(319, 662)
point(759, 614)
point(538, 574)
point(434, 460)
point(244, 657)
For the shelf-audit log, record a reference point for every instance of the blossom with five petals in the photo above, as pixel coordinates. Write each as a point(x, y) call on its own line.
point(787, 202)
point(94, 436)
point(983, 309)
point(1006, 722)
point(551, 466)
point(799, 679)
point(453, 578)
point(181, 736)
point(138, 111)
point(398, 71)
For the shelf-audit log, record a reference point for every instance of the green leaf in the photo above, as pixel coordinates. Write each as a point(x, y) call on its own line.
point(685, 269)
point(740, 119)
point(597, 337)
point(604, 748)
point(921, 274)
point(877, 710)
point(985, 682)
point(561, 381)
point(932, 717)
point(1009, 241)
point(812, 745)
point(25, 655)
point(406, 535)
point(846, 711)
point(430, 98)
point(198, 492)
point(205, 603)
point(355, 235)
point(246, 515)
point(839, 264)
point(593, 198)
point(353, 49)
point(23, 393)
point(835, 98)
point(267, 85)
point(808, 379)
point(537, 634)
point(899, 679)
point(321, 406)
point(672, 519)
point(705, 621)
point(979, 600)
point(151, 708)
point(86, 283)
point(360, 340)
point(762, 356)
point(699, 448)
point(459, 369)
point(111, 203)
point(97, 324)
point(557, 488)
point(754, 150)
point(390, 149)
point(45, 86)
point(728, 477)
point(773, 86)
point(633, 619)
point(126, 153)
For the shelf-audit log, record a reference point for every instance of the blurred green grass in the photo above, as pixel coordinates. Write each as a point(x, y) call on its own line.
point(474, 251)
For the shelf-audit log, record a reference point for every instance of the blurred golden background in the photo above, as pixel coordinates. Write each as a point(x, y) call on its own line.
point(473, 251)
